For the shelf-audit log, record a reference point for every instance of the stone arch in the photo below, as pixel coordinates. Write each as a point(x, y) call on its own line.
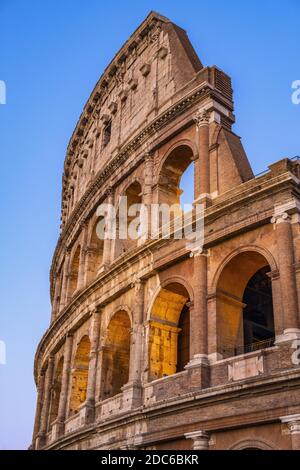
point(252, 444)
point(79, 376)
point(182, 142)
point(163, 284)
point(169, 330)
point(247, 248)
point(55, 391)
point(118, 308)
point(74, 271)
point(128, 225)
point(171, 169)
point(244, 303)
point(116, 355)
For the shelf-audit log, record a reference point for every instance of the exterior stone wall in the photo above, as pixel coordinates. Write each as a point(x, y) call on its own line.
point(156, 110)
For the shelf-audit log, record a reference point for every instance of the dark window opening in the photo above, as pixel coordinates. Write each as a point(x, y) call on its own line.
point(106, 134)
point(183, 348)
point(258, 318)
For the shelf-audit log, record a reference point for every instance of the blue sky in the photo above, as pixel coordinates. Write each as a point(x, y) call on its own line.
point(51, 55)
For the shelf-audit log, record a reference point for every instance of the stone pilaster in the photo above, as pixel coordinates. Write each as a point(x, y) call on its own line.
point(64, 287)
point(199, 364)
point(39, 405)
point(56, 297)
point(107, 246)
point(285, 250)
point(132, 390)
point(293, 424)
point(200, 440)
point(202, 163)
point(81, 271)
point(92, 374)
point(147, 196)
point(63, 398)
point(46, 402)
point(198, 346)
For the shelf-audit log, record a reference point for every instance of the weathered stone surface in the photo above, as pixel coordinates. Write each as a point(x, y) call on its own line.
point(147, 342)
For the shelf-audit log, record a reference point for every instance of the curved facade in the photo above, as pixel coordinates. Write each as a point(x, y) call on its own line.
point(154, 342)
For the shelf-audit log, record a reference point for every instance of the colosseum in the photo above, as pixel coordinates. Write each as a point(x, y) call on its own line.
point(156, 342)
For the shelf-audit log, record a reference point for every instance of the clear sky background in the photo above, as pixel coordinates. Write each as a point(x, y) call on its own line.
point(52, 52)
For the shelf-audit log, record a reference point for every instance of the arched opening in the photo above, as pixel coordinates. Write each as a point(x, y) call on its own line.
point(74, 271)
point(169, 334)
point(186, 186)
point(183, 343)
point(95, 250)
point(129, 219)
point(55, 391)
point(245, 319)
point(116, 355)
point(176, 179)
point(79, 377)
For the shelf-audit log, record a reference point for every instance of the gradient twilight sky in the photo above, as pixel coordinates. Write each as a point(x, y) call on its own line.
point(51, 55)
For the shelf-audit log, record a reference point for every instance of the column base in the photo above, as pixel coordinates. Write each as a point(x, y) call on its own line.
point(40, 441)
point(132, 395)
point(215, 357)
point(89, 413)
point(58, 429)
point(199, 371)
point(197, 360)
point(103, 267)
point(204, 199)
point(289, 334)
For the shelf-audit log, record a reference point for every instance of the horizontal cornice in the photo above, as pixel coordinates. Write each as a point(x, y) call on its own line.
point(260, 188)
point(101, 179)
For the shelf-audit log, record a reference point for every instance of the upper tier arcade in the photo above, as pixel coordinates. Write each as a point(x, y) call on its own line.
point(152, 72)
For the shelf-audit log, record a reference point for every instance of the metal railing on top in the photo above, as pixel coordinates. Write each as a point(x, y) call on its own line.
point(247, 348)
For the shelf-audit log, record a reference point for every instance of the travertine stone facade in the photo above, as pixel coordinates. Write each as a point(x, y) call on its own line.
point(152, 344)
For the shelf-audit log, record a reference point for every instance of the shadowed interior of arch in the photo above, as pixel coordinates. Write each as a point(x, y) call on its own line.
point(79, 377)
point(169, 334)
point(245, 319)
point(55, 391)
point(116, 355)
point(134, 196)
point(74, 271)
point(176, 179)
point(95, 251)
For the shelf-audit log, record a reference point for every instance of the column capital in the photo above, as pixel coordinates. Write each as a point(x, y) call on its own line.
point(201, 117)
point(199, 252)
point(200, 439)
point(281, 218)
point(84, 222)
point(137, 283)
point(96, 310)
point(148, 156)
point(109, 191)
point(293, 423)
point(51, 358)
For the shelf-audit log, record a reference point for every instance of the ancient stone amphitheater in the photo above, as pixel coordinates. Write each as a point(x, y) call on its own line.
point(155, 343)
